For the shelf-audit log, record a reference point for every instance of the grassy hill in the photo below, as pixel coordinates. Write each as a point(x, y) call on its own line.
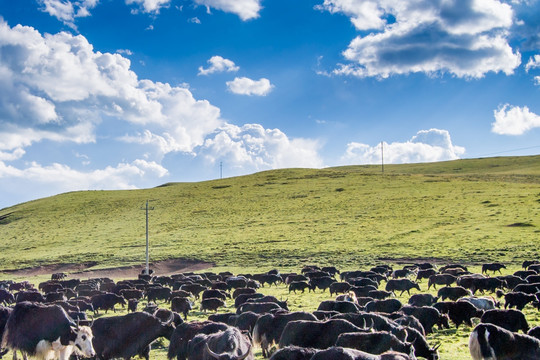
point(466, 210)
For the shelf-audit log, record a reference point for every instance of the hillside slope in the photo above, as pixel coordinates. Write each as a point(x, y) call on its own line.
point(465, 210)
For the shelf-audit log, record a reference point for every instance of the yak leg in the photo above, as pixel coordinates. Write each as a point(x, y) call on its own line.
point(145, 353)
point(24, 356)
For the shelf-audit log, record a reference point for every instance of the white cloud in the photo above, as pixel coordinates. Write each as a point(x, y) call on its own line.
point(62, 10)
point(465, 38)
point(11, 156)
point(253, 148)
point(514, 120)
point(534, 63)
point(149, 6)
point(218, 64)
point(245, 9)
point(150, 166)
point(246, 86)
point(426, 146)
point(125, 51)
point(57, 87)
point(15, 137)
point(67, 10)
point(85, 158)
point(364, 14)
point(164, 143)
point(57, 178)
point(194, 20)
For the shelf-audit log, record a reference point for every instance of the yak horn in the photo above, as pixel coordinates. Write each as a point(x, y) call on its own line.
point(217, 356)
point(436, 347)
point(170, 320)
point(242, 357)
point(211, 353)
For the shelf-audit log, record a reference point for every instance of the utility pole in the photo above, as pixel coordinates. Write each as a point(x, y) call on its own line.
point(147, 268)
point(221, 169)
point(382, 156)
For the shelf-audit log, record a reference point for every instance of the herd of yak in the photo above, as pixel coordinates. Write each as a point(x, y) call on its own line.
point(362, 322)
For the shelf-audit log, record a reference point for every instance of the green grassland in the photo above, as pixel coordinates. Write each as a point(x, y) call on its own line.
point(468, 211)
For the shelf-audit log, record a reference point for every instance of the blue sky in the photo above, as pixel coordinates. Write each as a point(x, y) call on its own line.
point(126, 94)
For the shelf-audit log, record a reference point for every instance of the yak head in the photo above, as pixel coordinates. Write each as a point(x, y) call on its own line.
point(83, 341)
point(443, 322)
point(120, 300)
point(434, 352)
point(283, 304)
point(166, 326)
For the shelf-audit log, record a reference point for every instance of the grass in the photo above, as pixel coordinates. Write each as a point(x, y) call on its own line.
point(468, 211)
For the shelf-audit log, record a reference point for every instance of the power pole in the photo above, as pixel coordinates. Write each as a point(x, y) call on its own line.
point(221, 169)
point(147, 268)
point(382, 156)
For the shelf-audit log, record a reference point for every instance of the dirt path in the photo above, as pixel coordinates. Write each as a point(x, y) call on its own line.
point(166, 267)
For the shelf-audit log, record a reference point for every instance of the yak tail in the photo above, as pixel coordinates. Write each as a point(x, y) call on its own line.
point(4, 339)
point(479, 344)
point(174, 349)
point(257, 336)
point(259, 330)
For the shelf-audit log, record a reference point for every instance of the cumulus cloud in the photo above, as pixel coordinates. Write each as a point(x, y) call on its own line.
point(465, 38)
point(125, 52)
point(426, 146)
point(246, 86)
point(534, 63)
point(57, 87)
point(245, 9)
point(251, 147)
point(364, 15)
point(218, 64)
point(514, 120)
point(164, 143)
point(67, 10)
point(149, 6)
point(58, 178)
point(11, 156)
point(118, 177)
point(14, 137)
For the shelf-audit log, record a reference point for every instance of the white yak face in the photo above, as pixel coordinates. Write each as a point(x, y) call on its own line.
point(83, 342)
